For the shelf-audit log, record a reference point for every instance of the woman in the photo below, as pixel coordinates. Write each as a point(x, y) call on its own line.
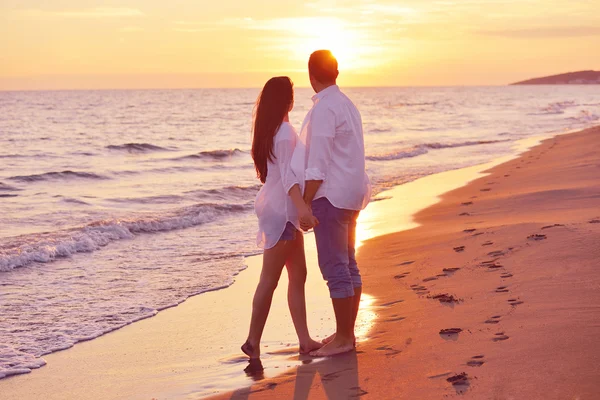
point(280, 208)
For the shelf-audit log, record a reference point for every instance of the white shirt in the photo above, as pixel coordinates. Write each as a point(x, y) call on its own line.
point(273, 205)
point(332, 149)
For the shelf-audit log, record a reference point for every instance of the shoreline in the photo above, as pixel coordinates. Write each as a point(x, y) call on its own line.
point(493, 295)
point(375, 222)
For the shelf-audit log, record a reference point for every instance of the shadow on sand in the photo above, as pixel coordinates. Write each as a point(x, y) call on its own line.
point(338, 377)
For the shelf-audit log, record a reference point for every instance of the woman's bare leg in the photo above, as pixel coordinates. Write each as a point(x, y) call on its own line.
point(273, 261)
point(296, 267)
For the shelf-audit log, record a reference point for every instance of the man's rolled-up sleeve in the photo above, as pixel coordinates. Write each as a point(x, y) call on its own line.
point(322, 128)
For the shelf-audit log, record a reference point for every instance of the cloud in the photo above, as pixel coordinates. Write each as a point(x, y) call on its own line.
point(74, 14)
point(131, 29)
point(544, 32)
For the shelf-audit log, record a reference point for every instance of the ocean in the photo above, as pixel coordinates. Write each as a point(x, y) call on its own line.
point(115, 205)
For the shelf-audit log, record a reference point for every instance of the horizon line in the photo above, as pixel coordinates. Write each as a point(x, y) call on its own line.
point(250, 87)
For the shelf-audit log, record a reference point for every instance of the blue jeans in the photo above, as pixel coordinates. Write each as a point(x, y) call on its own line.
point(336, 236)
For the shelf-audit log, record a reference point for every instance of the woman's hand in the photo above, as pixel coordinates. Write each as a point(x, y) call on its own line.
point(307, 219)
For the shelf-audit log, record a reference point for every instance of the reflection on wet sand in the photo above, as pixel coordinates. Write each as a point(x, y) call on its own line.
point(338, 376)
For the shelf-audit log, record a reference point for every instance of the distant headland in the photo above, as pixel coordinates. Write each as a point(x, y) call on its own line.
point(570, 78)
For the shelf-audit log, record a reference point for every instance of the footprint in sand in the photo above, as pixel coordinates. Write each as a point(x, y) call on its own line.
point(594, 221)
point(466, 203)
point(391, 303)
point(431, 278)
point(501, 289)
point(488, 243)
point(507, 175)
point(487, 262)
point(506, 275)
point(496, 253)
point(477, 234)
point(394, 318)
point(460, 382)
point(515, 302)
point(493, 320)
point(406, 263)
point(450, 270)
point(404, 275)
point(389, 351)
point(450, 333)
point(459, 249)
point(536, 237)
point(551, 226)
point(485, 190)
point(493, 266)
point(446, 298)
point(465, 214)
point(469, 230)
point(500, 336)
point(476, 361)
point(419, 289)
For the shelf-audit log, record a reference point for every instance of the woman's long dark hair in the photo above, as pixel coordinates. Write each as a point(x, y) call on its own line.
point(272, 105)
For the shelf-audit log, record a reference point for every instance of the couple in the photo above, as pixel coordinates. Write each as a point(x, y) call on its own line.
point(315, 181)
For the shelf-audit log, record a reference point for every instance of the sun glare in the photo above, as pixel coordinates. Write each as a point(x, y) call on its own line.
point(346, 42)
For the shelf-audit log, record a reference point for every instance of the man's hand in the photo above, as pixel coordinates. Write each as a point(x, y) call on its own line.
point(307, 219)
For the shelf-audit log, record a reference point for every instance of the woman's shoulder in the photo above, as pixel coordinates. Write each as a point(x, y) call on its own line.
point(286, 132)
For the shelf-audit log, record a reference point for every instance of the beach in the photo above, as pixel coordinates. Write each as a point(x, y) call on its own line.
point(522, 296)
point(117, 205)
point(516, 254)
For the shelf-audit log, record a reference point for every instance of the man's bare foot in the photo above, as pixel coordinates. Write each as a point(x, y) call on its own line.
point(310, 346)
point(336, 346)
point(328, 339)
point(252, 351)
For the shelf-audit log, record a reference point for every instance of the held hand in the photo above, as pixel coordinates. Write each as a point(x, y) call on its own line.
point(308, 224)
point(307, 219)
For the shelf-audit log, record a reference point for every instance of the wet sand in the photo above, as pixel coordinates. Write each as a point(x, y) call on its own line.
point(496, 295)
point(510, 312)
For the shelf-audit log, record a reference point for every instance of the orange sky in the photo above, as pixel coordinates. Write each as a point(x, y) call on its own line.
point(78, 44)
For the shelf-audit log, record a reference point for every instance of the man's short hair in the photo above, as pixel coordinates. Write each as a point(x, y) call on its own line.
point(323, 66)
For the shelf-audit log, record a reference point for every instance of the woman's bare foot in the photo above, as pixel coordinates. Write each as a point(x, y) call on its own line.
point(306, 348)
point(252, 351)
point(328, 339)
point(336, 346)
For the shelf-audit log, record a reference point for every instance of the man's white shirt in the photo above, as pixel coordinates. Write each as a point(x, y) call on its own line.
point(331, 149)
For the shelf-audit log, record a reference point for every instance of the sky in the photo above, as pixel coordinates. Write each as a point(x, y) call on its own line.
point(85, 44)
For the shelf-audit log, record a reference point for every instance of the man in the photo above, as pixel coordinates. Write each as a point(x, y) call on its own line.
point(336, 188)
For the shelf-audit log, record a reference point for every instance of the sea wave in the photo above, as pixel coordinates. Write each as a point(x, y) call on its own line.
point(425, 147)
point(462, 144)
point(64, 175)
point(409, 104)
point(585, 116)
point(212, 154)
point(7, 188)
point(44, 248)
point(137, 147)
point(72, 200)
point(160, 199)
point(229, 193)
point(558, 107)
point(380, 130)
point(400, 154)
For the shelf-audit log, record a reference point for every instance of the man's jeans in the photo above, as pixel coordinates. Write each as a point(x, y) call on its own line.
point(336, 236)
